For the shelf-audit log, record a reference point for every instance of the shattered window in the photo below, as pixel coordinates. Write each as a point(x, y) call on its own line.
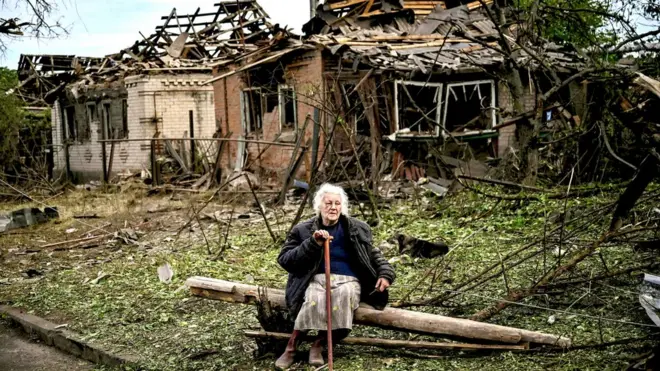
point(418, 107)
point(287, 104)
point(469, 107)
point(70, 122)
point(253, 105)
point(355, 113)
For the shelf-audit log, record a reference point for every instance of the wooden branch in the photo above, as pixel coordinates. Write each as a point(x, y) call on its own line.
point(610, 150)
point(502, 183)
point(388, 318)
point(261, 210)
point(395, 344)
point(549, 276)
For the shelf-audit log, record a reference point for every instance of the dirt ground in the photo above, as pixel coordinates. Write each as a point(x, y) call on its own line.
point(18, 353)
point(109, 291)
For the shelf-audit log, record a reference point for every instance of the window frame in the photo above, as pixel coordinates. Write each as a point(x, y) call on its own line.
point(244, 117)
point(493, 101)
point(281, 104)
point(438, 111)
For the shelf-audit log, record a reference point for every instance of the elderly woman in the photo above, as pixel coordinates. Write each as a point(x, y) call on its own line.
point(358, 272)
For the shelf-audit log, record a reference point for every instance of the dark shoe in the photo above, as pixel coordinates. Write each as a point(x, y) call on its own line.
point(285, 361)
point(315, 354)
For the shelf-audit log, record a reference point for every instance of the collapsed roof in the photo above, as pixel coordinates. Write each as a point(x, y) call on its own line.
point(184, 42)
point(398, 35)
point(422, 36)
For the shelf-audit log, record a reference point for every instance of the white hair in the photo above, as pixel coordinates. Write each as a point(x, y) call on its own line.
point(333, 189)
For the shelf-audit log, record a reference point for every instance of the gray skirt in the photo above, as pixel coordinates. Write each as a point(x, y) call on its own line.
point(345, 300)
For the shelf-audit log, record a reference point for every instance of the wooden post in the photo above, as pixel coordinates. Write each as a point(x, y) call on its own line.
point(155, 170)
point(104, 158)
point(112, 155)
point(67, 161)
point(193, 154)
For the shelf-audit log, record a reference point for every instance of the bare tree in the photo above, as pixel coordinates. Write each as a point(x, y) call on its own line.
point(36, 19)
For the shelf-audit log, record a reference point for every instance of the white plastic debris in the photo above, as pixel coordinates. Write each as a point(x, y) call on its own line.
point(165, 273)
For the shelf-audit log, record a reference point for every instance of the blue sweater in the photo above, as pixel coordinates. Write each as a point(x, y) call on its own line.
point(339, 257)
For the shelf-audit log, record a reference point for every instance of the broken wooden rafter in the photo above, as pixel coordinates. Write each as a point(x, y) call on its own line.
point(391, 318)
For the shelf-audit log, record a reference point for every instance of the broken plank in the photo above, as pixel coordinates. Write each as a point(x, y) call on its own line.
point(428, 44)
point(391, 318)
point(175, 154)
point(387, 343)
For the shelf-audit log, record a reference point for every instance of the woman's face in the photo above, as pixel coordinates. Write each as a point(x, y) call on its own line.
point(331, 207)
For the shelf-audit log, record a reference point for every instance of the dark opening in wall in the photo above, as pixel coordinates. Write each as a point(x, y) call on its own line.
point(70, 122)
point(288, 109)
point(418, 105)
point(356, 118)
point(469, 106)
point(253, 107)
point(124, 119)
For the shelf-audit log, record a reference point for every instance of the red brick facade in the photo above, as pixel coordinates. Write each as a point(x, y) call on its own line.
point(304, 74)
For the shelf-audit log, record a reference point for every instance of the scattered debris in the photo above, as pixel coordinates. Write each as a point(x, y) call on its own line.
point(165, 273)
point(26, 217)
point(649, 297)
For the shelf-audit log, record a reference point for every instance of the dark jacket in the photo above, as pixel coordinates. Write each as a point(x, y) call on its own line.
point(301, 257)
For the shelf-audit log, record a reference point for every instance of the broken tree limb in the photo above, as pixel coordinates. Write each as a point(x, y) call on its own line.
point(389, 344)
point(388, 318)
point(261, 209)
point(501, 182)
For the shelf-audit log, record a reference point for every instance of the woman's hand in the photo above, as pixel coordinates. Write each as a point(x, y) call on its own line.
point(382, 284)
point(320, 236)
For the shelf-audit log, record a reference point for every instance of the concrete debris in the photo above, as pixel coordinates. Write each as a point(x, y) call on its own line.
point(26, 217)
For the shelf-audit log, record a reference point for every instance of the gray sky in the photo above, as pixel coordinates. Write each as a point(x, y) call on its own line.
point(101, 27)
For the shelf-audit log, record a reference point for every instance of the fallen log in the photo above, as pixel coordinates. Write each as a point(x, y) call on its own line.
point(387, 343)
point(390, 318)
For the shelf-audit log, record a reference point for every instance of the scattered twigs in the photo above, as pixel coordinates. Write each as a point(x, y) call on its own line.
point(482, 277)
point(86, 239)
point(563, 217)
point(551, 275)
point(103, 226)
point(431, 270)
point(502, 183)
point(261, 209)
point(225, 240)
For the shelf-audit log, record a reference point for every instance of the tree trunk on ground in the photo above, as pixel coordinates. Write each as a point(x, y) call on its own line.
point(390, 318)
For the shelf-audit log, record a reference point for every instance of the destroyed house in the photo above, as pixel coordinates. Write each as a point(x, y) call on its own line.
point(107, 110)
point(399, 77)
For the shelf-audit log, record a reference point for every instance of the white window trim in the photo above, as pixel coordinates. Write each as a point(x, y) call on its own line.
point(246, 127)
point(493, 102)
point(438, 108)
point(280, 105)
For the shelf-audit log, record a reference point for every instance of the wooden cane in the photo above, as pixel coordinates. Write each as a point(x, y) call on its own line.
point(328, 298)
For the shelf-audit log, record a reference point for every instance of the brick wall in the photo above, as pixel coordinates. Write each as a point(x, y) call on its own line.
point(167, 98)
point(305, 74)
point(507, 135)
